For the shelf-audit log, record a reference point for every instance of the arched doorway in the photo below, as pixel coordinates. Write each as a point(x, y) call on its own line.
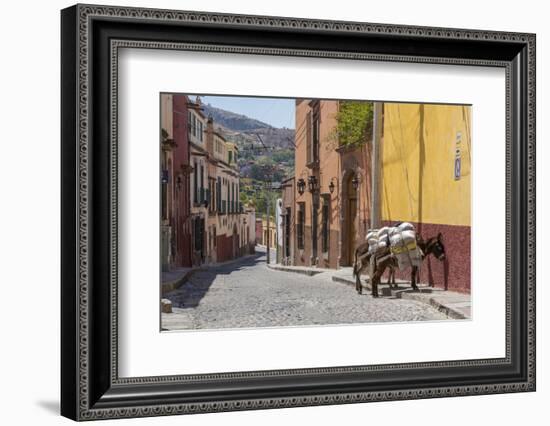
point(349, 222)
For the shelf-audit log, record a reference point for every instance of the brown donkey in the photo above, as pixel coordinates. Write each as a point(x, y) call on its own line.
point(386, 259)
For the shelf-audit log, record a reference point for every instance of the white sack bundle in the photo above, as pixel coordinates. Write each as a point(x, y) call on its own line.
point(383, 232)
point(405, 226)
point(404, 247)
point(372, 234)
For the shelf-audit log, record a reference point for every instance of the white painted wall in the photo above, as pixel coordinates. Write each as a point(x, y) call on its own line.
point(29, 225)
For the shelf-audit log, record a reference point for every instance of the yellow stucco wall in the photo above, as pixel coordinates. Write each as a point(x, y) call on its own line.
point(418, 161)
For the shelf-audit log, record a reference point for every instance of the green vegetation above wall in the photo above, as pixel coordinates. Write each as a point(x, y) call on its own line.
point(354, 126)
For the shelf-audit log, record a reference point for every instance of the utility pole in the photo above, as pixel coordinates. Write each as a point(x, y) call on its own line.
point(375, 165)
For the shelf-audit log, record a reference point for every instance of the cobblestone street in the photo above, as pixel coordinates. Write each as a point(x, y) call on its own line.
point(246, 293)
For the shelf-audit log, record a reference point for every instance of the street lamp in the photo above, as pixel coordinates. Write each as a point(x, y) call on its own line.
point(312, 183)
point(301, 185)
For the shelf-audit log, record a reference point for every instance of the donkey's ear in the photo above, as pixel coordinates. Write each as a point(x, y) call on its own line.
point(439, 236)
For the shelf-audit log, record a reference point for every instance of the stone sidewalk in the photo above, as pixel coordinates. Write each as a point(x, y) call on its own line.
point(453, 304)
point(171, 280)
point(248, 294)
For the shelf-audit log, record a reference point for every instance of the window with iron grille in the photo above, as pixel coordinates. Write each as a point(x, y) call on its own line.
point(192, 124)
point(287, 222)
point(315, 138)
point(196, 184)
point(164, 179)
point(312, 136)
point(325, 227)
point(164, 194)
point(231, 198)
point(206, 198)
point(219, 194)
point(300, 225)
point(197, 234)
point(212, 192)
point(202, 184)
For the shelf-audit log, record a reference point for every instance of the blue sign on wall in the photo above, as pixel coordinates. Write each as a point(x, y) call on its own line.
point(458, 164)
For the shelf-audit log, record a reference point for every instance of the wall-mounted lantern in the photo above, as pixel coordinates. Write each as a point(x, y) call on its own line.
point(331, 187)
point(301, 185)
point(312, 183)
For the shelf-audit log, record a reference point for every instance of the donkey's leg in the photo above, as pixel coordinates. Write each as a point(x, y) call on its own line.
point(375, 280)
point(413, 277)
point(392, 273)
point(358, 285)
point(389, 277)
point(374, 286)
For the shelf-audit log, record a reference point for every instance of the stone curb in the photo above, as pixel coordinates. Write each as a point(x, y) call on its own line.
point(440, 305)
point(308, 272)
point(349, 281)
point(169, 286)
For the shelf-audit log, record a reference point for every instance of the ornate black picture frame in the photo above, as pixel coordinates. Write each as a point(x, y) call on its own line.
point(91, 36)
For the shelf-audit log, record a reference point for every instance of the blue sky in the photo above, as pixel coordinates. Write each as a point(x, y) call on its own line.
point(277, 112)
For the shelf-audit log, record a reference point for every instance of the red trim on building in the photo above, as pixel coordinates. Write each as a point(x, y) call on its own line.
point(259, 231)
point(224, 248)
point(455, 272)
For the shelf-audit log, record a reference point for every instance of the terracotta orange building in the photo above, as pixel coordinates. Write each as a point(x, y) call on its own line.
point(331, 189)
point(414, 168)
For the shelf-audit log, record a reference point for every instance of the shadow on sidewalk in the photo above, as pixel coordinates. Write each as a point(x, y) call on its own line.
point(193, 290)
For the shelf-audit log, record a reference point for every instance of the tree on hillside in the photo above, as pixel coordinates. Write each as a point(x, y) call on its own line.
point(265, 169)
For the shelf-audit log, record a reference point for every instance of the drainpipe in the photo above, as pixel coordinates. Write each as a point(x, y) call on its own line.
point(375, 166)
